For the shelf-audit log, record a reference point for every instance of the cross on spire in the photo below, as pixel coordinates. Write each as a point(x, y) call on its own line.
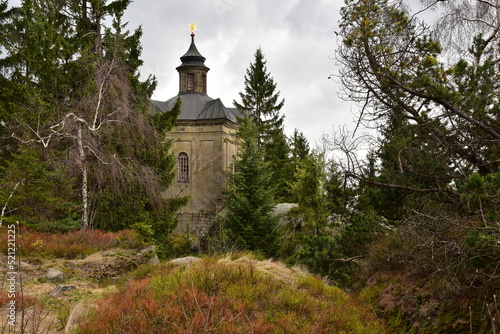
point(192, 27)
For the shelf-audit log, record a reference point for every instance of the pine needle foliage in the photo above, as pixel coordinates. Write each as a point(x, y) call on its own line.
point(250, 199)
point(259, 98)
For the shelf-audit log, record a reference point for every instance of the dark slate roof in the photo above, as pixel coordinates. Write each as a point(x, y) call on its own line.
point(191, 104)
point(196, 106)
point(236, 112)
point(215, 109)
point(192, 57)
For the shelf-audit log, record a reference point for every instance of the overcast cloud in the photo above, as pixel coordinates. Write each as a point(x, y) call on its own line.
point(296, 36)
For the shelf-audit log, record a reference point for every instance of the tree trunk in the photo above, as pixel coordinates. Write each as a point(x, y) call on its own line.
point(85, 224)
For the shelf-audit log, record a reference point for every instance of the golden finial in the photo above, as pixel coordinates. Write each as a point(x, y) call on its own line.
point(192, 27)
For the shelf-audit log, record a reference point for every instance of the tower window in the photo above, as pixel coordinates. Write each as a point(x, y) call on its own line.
point(183, 168)
point(190, 82)
point(204, 83)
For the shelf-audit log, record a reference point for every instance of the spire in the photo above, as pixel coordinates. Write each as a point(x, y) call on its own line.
point(192, 71)
point(192, 57)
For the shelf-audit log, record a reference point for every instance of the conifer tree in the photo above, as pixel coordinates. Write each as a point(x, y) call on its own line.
point(260, 98)
point(32, 191)
point(261, 101)
point(299, 151)
point(308, 192)
point(250, 200)
point(337, 192)
point(299, 146)
point(439, 134)
point(277, 154)
point(73, 90)
point(307, 222)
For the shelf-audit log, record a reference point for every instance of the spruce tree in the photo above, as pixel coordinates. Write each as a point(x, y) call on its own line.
point(72, 89)
point(299, 151)
point(299, 146)
point(277, 154)
point(250, 200)
point(309, 194)
point(338, 194)
point(32, 191)
point(260, 99)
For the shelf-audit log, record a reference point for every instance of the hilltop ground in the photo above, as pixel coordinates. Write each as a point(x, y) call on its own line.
point(117, 285)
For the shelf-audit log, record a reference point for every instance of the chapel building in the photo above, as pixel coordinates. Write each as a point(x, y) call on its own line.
point(204, 142)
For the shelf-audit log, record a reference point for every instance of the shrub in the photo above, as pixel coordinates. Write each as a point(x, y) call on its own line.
point(228, 295)
point(130, 239)
point(75, 244)
point(336, 253)
point(454, 261)
point(32, 316)
point(178, 245)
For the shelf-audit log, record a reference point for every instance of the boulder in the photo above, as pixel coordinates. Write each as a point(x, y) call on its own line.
point(154, 260)
point(55, 276)
point(62, 288)
point(185, 260)
point(76, 316)
point(113, 263)
point(148, 251)
point(283, 208)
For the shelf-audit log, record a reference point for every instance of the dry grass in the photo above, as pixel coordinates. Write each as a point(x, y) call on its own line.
point(71, 245)
point(232, 294)
point(37, 312)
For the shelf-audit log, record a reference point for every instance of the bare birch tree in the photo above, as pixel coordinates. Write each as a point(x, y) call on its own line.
point(90, 105)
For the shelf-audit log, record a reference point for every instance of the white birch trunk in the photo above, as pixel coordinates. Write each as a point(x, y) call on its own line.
point(85, 224)
point(2, 214)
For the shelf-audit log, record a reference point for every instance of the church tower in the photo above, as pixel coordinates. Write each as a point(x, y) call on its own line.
point(192, 71)
point(204, 142)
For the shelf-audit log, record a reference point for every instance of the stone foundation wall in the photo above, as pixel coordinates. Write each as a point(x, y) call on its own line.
point(195, 223)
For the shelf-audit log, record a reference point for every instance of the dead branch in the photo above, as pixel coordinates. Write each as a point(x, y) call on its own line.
point(6, 205)
point(399, 186)
point(350, 259)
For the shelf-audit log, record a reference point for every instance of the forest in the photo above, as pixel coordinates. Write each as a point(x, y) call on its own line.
point(415, 218)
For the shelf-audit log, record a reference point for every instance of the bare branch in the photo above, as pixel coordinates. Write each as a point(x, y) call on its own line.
point(6, 204)
point(349, 259)
point(101, 91)
point(402, 187)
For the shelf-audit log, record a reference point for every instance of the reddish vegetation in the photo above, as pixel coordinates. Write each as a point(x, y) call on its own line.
point(67, 245)
point(188, 311)
point(215, 297)
point(25, 300)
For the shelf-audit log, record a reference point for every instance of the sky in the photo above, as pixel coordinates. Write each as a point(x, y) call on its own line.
point(296, 36)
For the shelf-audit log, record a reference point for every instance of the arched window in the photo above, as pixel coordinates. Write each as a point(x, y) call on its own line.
point(183, 167)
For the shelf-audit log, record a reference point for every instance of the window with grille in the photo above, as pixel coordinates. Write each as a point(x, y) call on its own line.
point(190, 82)
point(204, 83)
point(183, 168)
